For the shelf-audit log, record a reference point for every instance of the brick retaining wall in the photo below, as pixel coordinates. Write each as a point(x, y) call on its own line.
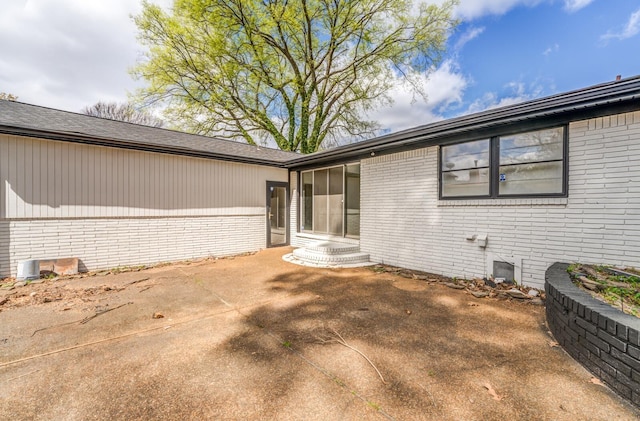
point(603, 339)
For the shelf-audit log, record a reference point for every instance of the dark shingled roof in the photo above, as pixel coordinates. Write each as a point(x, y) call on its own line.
point(31, 120)
point(599, 100)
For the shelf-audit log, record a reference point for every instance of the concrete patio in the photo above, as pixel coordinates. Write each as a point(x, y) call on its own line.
point(256, 337)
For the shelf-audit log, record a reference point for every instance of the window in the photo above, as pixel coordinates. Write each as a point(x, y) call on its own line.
point(465, 169)
point(524, 164)
point(330, 199)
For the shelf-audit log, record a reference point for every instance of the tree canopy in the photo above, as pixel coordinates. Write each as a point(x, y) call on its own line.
point(296, 71)
point(122, 112)
point(8, 97)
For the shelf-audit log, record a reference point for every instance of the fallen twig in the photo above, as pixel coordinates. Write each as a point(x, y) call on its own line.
point(99, 313)
point(49, 327)
point(22, 375)
point(433, 401)
point(342, 342)
point(137, 281)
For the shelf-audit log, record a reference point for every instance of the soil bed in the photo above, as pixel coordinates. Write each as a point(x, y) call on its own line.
point(619, 287)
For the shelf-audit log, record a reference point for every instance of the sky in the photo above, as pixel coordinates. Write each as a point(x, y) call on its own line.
point(68, 54)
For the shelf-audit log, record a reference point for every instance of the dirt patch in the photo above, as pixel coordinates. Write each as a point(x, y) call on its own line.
point(88, 287)
point(413, 280)
point(61, 293)
point(410, 285)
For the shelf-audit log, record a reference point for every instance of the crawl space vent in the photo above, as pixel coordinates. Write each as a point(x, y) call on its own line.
point(503, 270)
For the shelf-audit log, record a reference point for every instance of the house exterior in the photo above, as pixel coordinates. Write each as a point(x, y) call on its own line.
point(501, 193)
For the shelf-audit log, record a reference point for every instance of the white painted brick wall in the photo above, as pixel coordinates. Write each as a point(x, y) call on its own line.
point(404, 223)
point(107, 243)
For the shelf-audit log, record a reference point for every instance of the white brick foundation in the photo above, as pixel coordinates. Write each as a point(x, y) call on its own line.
point(106, 243)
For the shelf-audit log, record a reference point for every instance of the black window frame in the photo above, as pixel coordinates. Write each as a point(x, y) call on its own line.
point(494, 167)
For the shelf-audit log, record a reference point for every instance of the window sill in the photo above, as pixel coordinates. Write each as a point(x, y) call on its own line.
point(541, 201)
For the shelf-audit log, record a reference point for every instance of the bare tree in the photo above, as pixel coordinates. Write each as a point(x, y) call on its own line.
point(122, 112)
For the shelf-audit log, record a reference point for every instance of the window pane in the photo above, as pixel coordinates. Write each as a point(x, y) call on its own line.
point(282, 206)
point(465, 155)
point(539, 178)
point(307, 201)
point(320, 190)
point(473, 182)
point(335, 200)
point(352, 200)
point(542, 145)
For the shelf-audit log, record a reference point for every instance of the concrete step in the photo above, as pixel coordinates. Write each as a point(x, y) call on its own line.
point(329, 254)
point(330, 259)
point(331, 247)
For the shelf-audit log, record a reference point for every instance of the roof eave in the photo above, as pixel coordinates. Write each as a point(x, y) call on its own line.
point(138, 146)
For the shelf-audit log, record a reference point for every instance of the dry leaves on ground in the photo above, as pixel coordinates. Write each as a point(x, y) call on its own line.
point(492, 392)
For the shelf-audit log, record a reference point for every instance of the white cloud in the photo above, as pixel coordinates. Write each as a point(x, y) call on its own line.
point(575, 5)
point(444, 88)
point(515, 92)
point(68, 53)
point(631, 28)
point(472, 9)
point(553, 49)
point(470, 34)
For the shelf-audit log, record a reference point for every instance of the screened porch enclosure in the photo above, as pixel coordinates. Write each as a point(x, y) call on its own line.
point(330, 200)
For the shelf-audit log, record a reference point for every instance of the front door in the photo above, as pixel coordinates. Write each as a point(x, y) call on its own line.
point(277, 214)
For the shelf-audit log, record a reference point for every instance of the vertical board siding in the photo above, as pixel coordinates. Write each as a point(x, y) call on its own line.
point(4, 175)
point(404, 223)
point(50, 179)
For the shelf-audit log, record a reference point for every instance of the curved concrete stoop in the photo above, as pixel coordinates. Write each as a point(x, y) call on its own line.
point(329, 254)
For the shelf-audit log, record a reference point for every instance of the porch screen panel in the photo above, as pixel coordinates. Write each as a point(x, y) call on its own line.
point(320, 201)
point(307, 201)
point(352, 200)
point(330, 201)
point(335, 201)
